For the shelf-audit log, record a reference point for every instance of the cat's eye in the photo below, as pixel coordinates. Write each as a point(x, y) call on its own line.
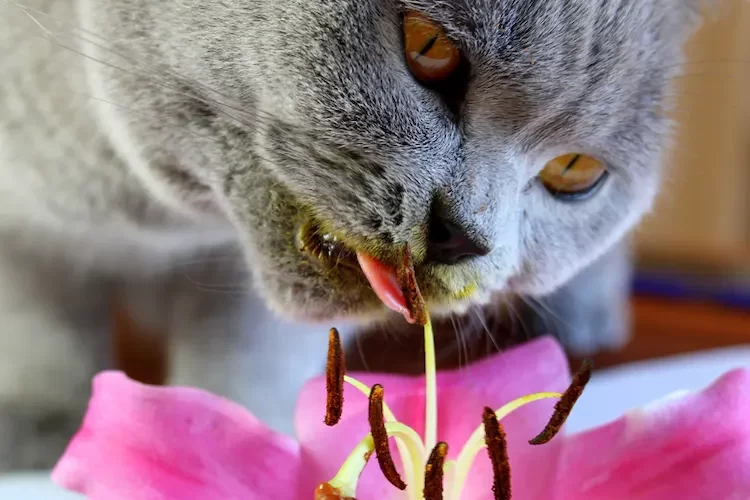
point(572, 176)
point(431, 56)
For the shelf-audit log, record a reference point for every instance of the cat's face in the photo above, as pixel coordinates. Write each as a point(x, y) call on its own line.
point(339, 135)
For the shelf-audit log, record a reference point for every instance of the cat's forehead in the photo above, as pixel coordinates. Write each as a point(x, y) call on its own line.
point(477, 24)
point(543, 71)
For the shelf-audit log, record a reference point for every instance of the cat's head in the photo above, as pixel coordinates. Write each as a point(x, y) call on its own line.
point(523, 143)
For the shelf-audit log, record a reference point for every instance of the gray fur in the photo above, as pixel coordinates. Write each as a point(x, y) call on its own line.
point(162, 132)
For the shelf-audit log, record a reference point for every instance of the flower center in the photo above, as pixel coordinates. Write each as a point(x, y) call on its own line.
point(427, 472)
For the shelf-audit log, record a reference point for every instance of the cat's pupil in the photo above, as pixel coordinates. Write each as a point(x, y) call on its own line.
point(573, 177)
point(431, 56)
point(434, 59)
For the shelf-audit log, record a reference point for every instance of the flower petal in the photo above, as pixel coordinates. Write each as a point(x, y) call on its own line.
point(537, 366)
point(142, 442)
point(326, 448)
point(697, 447)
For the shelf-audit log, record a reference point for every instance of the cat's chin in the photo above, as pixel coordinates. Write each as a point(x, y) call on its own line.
point(346, 298)
point(458, 307)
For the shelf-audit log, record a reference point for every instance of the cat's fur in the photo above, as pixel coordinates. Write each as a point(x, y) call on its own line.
point(137, 151)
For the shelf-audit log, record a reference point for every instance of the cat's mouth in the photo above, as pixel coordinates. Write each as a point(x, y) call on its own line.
point(330, 251)
point(325, 247)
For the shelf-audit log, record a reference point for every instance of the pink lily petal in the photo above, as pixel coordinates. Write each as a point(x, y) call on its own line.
point(141, 442)
point(326, 448)
point(538, 366)
point(697, 447)
point(533, 367)
point(147, 443)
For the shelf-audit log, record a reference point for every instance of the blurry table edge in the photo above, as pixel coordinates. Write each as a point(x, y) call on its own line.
point(665, 327)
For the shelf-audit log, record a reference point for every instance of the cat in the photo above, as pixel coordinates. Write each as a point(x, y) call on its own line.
point(156, 152)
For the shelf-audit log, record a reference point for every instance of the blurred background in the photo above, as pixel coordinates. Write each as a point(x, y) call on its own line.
point(692, 290)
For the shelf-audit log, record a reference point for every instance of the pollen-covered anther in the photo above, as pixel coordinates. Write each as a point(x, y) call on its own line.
point(335, 371)
point(497, 449)
point(433, 473)
point(327, 492)
point(407, 280)
point(564, 405)
point(380, 437)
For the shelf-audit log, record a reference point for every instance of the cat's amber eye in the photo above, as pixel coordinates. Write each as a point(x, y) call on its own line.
point(430, 54)
point(572, 175)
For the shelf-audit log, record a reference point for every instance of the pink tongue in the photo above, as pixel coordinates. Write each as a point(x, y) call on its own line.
point(384, 282)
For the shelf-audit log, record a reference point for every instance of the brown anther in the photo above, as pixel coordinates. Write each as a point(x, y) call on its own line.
point(565, 405)
point(408, 281)
point(497, 448)
point(433, 473)
point(335, 370)
point(380, 438)
point(327, 492)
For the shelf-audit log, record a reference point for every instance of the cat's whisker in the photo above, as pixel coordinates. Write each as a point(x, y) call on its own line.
point(256, 114)
point(194, 133)
point(537, 305)
point(215, 104)
point(72, 33)
point(516, 318)
point(211, 258)
point(464, 342)
point(217, 290)
point(361, 351)
point(456, 335)
point(542, 309)
point(149, 80)
point(490, 335)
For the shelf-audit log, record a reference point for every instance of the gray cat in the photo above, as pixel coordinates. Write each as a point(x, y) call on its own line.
point(153, 151)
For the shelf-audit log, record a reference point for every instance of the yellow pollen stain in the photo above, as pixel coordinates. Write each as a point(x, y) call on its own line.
point(467, 292)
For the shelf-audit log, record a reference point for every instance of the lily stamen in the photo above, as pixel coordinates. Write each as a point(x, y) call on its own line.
point(476, 442)
point(346, 479)
point(565, 405)
point(327, 492)
point(335, 370)
point(408, 282)
point(411, 452)
point(380, 437)
point(497, 449)
point(431, 405)
point(434, 471)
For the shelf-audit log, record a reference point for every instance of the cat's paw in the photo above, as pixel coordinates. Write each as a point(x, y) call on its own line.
point(34, 438)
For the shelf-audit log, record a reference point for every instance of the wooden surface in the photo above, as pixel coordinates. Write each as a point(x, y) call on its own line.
point(703, 211)
point(661, 328)
point(138, 351)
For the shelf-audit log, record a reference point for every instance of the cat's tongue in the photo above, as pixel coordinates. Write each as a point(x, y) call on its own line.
point(384, 282)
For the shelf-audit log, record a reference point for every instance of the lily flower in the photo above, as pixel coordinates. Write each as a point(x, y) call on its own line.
point(140, 442)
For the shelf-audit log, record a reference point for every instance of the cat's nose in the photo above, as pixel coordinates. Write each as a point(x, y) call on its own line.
point(448, 242)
